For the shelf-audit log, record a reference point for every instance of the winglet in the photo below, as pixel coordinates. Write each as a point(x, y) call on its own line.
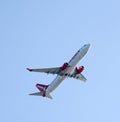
point(29, 69)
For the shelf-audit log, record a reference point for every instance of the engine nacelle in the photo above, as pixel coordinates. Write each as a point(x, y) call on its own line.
point(64, 66)
point(80, 69)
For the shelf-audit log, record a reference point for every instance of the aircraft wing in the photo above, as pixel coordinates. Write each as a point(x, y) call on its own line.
point(79, 77)
point(55, 70)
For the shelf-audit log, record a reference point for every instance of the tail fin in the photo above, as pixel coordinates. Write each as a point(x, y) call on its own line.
point(42, 87)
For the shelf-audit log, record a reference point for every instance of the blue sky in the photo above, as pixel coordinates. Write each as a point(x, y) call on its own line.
point(39, 34)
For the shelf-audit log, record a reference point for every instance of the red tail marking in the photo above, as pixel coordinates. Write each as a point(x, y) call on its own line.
point(42, 87)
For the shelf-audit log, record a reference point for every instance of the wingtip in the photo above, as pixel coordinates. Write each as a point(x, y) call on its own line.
point(29, 69)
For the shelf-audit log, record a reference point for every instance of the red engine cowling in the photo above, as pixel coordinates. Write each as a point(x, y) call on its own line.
point(64, 66)
point(80, 69)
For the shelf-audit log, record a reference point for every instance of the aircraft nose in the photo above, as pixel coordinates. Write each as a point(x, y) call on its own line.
point(87, 46)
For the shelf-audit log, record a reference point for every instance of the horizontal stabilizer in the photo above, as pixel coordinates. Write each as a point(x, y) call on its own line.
point(40, 94)
point(36, 94)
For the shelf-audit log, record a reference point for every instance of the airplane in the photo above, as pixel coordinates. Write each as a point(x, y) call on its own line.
point(67, 70)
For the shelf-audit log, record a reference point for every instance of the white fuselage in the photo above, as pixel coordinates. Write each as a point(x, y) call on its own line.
point(72, 63)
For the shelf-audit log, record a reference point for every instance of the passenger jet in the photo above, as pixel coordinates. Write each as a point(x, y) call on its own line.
point(66, 70)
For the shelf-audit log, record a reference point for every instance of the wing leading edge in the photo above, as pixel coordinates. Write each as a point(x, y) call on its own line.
point(58, 71)
point(55, 70)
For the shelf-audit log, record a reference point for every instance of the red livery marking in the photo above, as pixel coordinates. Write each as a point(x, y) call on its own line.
point(64, 66)
point(42, 87)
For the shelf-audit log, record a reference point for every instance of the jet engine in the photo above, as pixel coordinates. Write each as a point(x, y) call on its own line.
point(80, 69)
point(64, 66)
